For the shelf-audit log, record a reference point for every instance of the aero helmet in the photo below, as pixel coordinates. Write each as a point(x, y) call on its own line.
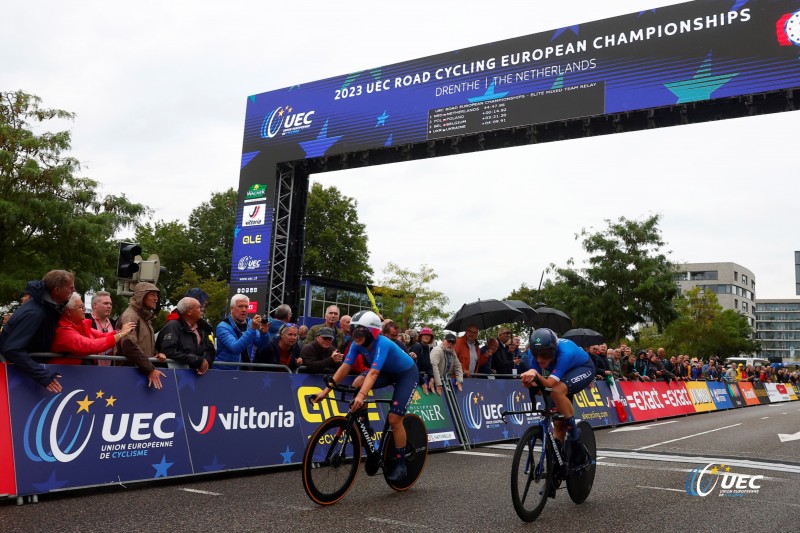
point(543, 341)
point(366, 323)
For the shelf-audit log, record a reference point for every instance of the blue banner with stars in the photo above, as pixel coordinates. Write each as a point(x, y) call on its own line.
point(239, 419)
point(105, 426)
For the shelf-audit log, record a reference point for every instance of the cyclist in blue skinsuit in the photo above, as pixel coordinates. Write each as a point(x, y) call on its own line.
point(565, 368)
point(388, 365)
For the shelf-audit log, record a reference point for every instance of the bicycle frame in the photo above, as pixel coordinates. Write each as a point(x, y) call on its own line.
point(546, 418)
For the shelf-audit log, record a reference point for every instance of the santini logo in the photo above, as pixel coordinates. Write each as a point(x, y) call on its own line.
point(242, 418)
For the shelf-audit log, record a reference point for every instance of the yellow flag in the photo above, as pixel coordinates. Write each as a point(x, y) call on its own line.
point(372, 301)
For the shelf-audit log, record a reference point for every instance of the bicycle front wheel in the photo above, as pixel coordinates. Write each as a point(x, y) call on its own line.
point(417, 440)
point(580, 481)
point(331, 460)
point(532, 472)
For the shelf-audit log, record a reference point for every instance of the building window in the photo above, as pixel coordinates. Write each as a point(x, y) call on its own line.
point(744, 280)
point(735, 303)
point(735, 276)
point(744, 306)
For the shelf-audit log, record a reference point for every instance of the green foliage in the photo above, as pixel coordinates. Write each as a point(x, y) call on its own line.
point(703, 328)
point(628, 280)
point(217, 291)
point(50, 217)
point(205, 245)
point(423, 306)
point(211, 228)
point(335, 241)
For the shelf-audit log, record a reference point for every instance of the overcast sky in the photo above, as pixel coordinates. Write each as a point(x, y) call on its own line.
point(159, 89)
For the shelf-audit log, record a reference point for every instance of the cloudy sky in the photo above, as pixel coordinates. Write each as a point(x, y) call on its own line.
point(159, 89)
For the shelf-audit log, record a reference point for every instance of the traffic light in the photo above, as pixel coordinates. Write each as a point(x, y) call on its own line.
point(127, 266)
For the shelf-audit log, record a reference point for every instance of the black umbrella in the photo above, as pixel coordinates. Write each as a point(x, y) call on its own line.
point(484, 314)
point(584, 337)
point(547, 317)
point(528, 312)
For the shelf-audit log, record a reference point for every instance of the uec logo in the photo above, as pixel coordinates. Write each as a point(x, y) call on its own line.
point(279, 118)
point(36, 432)
point(472, 411)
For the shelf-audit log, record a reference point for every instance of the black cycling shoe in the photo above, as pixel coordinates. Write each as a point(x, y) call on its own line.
point(399, 471)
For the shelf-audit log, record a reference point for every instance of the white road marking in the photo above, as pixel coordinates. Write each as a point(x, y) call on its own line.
point(659, 488)
point(206, 492)
point(687, 437)
point(639, 428)
point(395, 522)
point(703, 459)
point(482, 454)
point(764, 417)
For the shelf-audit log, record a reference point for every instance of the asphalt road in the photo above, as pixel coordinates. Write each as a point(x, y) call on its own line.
point(640, 485)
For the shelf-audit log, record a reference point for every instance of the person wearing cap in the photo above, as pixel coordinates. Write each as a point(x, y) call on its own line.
point(321, 356)
point(421, 353)
point(446, 363)
point(331, 317)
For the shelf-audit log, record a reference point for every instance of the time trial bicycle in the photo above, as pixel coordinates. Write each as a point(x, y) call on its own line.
point(334, 451)
point(541, 463)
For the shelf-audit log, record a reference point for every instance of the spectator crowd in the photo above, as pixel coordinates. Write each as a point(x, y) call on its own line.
point(52, 318)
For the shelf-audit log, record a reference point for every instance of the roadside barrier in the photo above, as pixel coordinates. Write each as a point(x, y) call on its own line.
point(108, 427)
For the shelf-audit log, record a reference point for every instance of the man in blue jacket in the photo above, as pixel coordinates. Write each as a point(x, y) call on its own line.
point(237, 335)
point(33, 326)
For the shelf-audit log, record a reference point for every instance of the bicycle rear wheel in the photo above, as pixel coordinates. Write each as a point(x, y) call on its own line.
point(532, 472)
point(579, 483)
point(331, 460)
point(417, 440)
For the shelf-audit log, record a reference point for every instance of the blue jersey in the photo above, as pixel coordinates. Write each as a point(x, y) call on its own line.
point(384, 354)
point(568, 356)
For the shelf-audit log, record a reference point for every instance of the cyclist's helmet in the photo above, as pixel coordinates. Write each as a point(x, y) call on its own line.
point(543, 342)
point(366, 324)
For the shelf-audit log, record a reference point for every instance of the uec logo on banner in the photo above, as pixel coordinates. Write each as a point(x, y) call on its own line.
point(45, 434)
point(703, 480)
point(282, 118)
point(37, 434)
point(472, 411)
point(515, 403)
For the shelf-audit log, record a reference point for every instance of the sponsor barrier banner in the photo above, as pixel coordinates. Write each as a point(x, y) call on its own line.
point(748, 393)
point(651, 400)
point(735, 394)
point(761, 392)
point(792, 391)
point(8, 484)
point(593, 405)
point(312, 415)
point(239, 419)
point(105, 426)
point(778, 392)
point(431, 408)
point(720, 395)
point(701, 396)
point(481, 403)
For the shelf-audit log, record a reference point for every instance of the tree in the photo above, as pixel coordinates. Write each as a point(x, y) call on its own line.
point(50, 217)
point(628, 280)
point(205, 246)
point(335, 241)
point(211, 232)
point(173, 245)
point(423, 305)
point(703, 328)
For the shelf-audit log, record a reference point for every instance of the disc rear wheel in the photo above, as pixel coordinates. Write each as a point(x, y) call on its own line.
point(580, 481)
point(417, 440)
